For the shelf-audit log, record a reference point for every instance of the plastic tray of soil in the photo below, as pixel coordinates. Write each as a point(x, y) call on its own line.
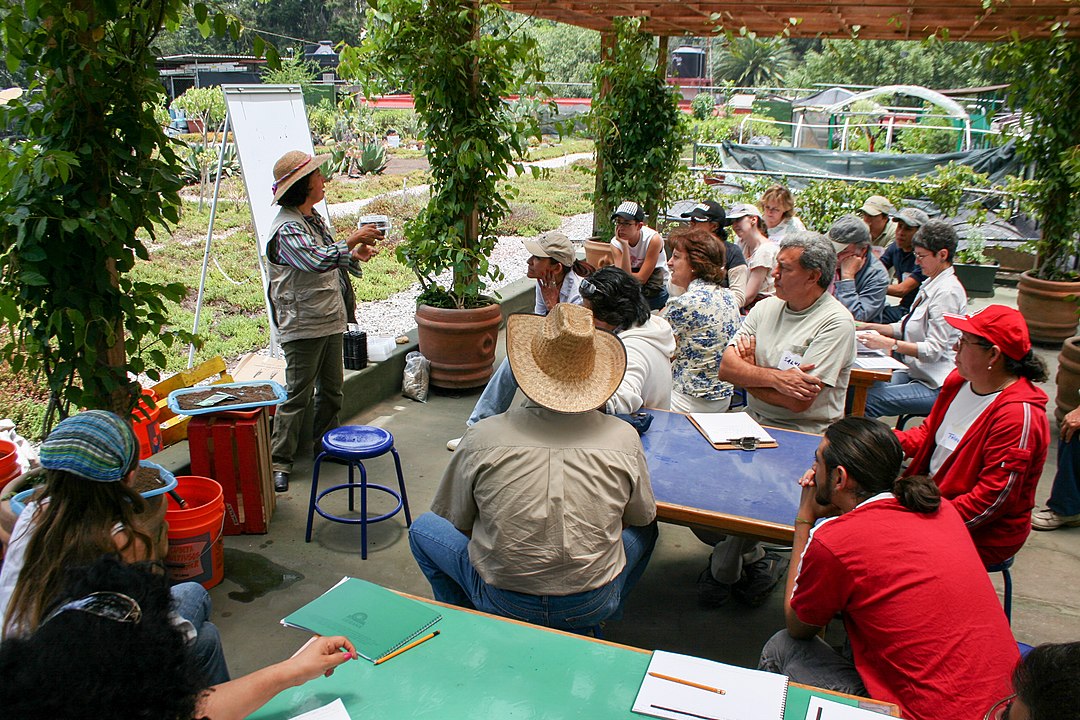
point(150, 479)
point(245, 395)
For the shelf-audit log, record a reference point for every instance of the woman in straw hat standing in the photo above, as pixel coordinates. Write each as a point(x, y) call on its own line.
point(87, 509)
point(311, 300)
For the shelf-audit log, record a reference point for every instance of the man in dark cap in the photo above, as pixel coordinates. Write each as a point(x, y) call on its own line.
point(710, 215)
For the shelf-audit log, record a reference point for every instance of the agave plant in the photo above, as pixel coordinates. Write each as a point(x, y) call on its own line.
point(371, 158)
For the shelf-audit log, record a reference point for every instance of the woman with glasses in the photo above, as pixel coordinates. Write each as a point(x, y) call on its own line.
point(109, 649)
point(985, 440)
point(87, 508)
point(922, 339)
point(704, 319)
point(1046, 684)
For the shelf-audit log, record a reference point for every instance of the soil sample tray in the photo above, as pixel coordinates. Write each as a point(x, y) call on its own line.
point(247, 395)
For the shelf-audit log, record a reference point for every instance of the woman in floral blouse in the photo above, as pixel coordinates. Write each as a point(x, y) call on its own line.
point(704, 319)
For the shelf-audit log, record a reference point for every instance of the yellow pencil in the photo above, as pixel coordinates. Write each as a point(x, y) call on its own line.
point(699, 686)
point(410, 646)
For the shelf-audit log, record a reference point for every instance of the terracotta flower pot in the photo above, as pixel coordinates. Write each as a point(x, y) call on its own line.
point(1049, 307)
point(1068, 378)
point(459, 343)
point(598, 253)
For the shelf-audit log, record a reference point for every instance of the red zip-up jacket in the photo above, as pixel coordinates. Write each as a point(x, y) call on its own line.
point(992, 474)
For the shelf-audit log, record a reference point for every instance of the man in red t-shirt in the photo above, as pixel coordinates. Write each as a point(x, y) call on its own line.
point(923, 622)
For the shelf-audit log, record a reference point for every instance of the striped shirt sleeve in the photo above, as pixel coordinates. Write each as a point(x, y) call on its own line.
point(298, 248)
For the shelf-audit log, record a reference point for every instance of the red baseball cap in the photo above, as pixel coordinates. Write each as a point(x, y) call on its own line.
point(1001, 325)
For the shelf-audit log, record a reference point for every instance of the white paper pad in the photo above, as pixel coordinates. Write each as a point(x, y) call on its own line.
point(334, 711)
point(720, 428)
point(748, 694)
point(876, 360)
point(838, 711)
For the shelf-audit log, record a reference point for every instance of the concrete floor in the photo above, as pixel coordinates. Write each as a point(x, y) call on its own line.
point(269, 576)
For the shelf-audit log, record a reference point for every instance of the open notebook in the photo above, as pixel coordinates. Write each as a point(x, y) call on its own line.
point(376, 620)
point(678, 687)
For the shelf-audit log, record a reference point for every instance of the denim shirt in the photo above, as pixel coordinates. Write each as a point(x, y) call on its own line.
point(704, 319)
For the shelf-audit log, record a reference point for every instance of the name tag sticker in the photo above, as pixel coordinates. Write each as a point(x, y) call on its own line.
point(789, 360)
point(951, 440)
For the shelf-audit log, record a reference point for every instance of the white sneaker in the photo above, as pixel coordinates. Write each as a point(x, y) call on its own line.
point(451, 445)
point(1047, 519)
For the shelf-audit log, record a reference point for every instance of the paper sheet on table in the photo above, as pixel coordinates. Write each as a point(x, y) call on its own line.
point(748, 694)
point(868, 359)
point(334, 711)
point(837, 711)
point(721, 428)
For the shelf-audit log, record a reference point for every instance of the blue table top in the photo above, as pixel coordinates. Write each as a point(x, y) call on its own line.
point(754, 493)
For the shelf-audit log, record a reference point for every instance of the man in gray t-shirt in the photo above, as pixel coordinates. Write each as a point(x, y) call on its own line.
point(793, 355)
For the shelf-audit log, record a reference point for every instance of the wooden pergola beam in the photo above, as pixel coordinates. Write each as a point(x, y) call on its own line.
point(865, 19)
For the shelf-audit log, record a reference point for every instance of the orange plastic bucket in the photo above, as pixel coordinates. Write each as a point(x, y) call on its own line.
point(144, 421)
point(196, 551)
point(9, 462)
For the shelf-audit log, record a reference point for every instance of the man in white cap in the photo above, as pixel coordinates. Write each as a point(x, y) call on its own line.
point(861, 280)
point(875, 213)
point(545, 513)
point(900, 258)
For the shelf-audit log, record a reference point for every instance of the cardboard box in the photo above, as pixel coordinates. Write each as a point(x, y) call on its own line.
point(261, 367)
point(233, 448)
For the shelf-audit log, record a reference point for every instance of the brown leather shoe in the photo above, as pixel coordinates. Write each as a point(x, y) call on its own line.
point(281, 481)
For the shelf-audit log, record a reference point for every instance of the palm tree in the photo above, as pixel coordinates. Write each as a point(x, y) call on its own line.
point(750, 61)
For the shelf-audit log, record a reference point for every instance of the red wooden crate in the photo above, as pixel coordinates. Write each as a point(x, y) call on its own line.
point(234, 449)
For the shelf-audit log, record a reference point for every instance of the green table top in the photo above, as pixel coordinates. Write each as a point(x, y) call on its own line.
point(480, 666)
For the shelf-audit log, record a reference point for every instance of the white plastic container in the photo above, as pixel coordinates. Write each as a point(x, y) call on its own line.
point(380, 348)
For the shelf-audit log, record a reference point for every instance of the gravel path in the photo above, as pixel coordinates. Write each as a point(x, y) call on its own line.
point(394, 315)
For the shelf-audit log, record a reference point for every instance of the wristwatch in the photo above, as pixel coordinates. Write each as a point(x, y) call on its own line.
point(895, 346)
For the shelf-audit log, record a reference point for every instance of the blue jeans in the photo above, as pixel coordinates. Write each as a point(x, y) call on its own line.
point(658, 301)
point(899, 397)
point(1065, 495)
point(192, 602)
point(498, 396)
point(893, 313)
point(811, 662)
point(442, 552)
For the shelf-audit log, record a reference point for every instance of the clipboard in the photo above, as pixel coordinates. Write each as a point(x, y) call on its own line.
point(756, 433)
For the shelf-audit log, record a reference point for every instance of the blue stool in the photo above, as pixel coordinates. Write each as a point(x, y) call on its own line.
point(1003, 568)
point(352, 444)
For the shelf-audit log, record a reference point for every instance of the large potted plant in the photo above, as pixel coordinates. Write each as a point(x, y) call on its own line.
point(459, 58)
point(638, 128)
point(1051, 141)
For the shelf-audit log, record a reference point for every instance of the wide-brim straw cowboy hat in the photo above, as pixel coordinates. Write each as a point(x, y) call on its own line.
point(562, 362)
point(292, 166)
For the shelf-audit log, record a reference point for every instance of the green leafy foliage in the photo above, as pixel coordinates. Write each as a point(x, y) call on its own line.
point(716, 130)
point(750, 61)
point(702, 106)
point(294, 70)
point(96, 175)
point(636, 122)
point(460, 58)
point(1048, 97)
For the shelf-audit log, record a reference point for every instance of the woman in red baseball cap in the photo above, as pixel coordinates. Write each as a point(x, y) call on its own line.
point(986, 438)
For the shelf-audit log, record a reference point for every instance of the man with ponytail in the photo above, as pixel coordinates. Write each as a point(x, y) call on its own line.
point(924, 626)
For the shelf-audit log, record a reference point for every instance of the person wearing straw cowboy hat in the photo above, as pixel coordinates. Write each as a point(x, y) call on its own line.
point(311, 301)
point(545, 513)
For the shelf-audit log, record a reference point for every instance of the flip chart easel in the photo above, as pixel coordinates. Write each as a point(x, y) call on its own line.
point(266, 121)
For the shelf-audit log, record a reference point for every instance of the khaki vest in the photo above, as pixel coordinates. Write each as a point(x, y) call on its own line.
point(305, 304)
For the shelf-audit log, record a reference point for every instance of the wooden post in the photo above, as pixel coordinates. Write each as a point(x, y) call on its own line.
point(600, 196)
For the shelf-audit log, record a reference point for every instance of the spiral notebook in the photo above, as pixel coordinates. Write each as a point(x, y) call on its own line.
point(678, 687)
point(377, 621)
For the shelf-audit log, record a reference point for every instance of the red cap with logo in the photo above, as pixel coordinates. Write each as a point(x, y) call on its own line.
point(1003, 326)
